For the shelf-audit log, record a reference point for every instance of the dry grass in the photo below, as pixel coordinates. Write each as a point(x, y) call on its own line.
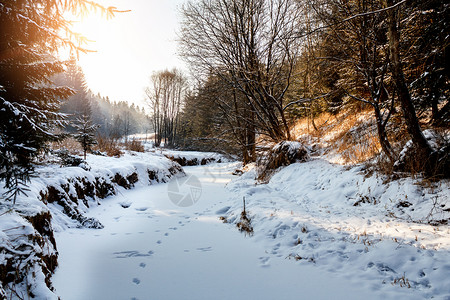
point(282, 154)
point(134, 145)
point(108, 145)
point(352, 134)
point(70, 144)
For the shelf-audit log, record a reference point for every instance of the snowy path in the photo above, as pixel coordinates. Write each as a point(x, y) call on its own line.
point(156, 250)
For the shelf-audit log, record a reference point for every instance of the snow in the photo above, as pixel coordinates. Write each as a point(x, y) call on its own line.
point(320, 231)
point(154, 249)
point(307, 211)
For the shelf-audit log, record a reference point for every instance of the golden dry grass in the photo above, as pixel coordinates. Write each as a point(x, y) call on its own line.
point(69, 143)
point(352, 135)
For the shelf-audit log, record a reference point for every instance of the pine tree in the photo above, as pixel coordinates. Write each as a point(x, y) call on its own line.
point(31, 32)
point(78, 104)
point(85, 134)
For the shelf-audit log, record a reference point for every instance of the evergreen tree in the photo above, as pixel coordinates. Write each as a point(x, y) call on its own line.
point(31, 32)
point(85, 134)
point(78, 104)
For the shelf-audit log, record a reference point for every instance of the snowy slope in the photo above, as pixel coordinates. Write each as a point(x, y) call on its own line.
point(372, 232)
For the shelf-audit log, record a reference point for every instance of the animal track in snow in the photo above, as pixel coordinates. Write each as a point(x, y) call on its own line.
point(264, 261)
point(132, 253)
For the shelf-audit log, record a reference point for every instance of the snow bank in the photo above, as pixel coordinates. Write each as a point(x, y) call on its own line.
point(378, 234)
point(193, 158)
point(58, 199)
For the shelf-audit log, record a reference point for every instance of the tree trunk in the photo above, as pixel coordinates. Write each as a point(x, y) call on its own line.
point(251, 138)
point(421, 145)
point(382, 135)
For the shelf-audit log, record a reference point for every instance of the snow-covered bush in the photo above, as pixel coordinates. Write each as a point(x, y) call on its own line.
point(68, 160)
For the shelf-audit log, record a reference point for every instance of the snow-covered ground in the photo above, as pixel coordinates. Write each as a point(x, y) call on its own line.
point(371, 232)
point(156, 250)
point(309, 241)
point(320, 231)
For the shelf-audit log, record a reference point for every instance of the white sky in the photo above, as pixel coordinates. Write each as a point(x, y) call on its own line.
point(130, 46)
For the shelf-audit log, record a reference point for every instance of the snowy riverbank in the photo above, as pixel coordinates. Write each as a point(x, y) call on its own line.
point(374, 233)
point(59, 198)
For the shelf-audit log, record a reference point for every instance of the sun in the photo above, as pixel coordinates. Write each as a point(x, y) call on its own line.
point(108, 55)
point(128, 47)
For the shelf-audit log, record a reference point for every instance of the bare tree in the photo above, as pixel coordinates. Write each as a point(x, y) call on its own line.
point(165, 98)
point(248, 44)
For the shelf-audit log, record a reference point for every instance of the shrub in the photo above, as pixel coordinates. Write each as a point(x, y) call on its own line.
point(109, 146)
point(282, 154)
point(134, 145)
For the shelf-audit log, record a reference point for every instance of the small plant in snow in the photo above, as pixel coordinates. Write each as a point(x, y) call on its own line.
point(402, 281)
point(85, 133)
point(244, 223)
point(17, 183)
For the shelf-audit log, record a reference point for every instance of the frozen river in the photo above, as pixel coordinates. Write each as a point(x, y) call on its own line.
point(152, 248)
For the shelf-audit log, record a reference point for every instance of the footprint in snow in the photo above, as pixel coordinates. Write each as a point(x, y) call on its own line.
point(125, 204)
point(141, 208)
point(205, 249)
point(166, 234)
point(223, 210)
point(142, 265)
point(136, 281)
point(132, 253)
point(264, 261)
point(158, 241)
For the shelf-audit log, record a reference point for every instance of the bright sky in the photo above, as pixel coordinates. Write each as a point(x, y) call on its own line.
point(130, 46)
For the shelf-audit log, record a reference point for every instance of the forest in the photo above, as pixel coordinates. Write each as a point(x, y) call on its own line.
point(265, 65)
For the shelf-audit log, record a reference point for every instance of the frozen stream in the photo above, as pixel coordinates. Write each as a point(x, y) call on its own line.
point(155, 249)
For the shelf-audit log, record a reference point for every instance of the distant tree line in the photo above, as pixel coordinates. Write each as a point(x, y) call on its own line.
point(113, 119)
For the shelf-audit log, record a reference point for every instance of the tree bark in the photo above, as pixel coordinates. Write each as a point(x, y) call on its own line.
point(421, 145)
